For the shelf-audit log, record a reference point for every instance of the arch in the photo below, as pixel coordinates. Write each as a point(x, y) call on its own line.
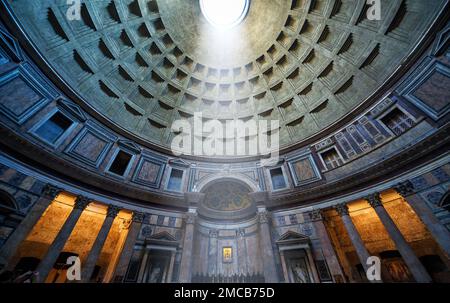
point(445, 201)
point(7, 201)
point(207, 181)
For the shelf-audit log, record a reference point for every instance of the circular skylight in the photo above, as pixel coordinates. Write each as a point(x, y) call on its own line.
point(224, 13)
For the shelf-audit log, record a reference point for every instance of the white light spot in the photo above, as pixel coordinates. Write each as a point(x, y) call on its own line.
point(224, 13)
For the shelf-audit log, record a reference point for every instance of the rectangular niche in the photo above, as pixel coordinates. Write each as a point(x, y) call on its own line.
point(303, 169)
point(175, 182)
point(121, 163)
point(54, 128)
point(278, 179)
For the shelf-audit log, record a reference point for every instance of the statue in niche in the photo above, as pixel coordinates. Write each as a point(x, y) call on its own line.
point(300, 271)
point(155, 275)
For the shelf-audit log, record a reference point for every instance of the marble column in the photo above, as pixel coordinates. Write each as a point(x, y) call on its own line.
point(355, 237)
point(212, 251)
point(128, 247)
point(415, 266)
point(91, 260)
point(47, 263)
point(284, 266)
point(270, 270)
point(188, 246)
point(9, 248)
point(171, 266)
point(440, 233)
point(327, 247)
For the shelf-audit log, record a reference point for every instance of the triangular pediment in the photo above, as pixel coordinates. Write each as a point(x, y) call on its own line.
point(179, 162)
point(130, 145)
point(163, 236)
point(72, 109)
point(293, 236)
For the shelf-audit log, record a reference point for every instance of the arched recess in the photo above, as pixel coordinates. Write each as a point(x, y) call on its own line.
point(227, 198)
point(445, 201)
point(207, 181)
point(7, 202)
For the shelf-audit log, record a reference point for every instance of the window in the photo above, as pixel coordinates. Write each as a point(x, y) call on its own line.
point(175, 180)
point(332, 159)
point(278, 181)
point(120, 164)
point(53, 129)
point(397, 121)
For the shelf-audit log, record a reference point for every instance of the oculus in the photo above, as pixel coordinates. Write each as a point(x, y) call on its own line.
point(224, 14)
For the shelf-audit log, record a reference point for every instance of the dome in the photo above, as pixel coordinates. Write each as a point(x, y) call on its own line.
point(225, 141)
point(142, 65)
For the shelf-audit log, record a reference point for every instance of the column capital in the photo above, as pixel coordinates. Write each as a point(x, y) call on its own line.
point(51, 192)
point(405, 189)
point(263, 217)
point(82, 202)
point(138, 217)
point(190, 217)
point(213, 233)
point(240, 232)
point(374, 200)
point(342, 209)
point(316, 215)
point(113, 211)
